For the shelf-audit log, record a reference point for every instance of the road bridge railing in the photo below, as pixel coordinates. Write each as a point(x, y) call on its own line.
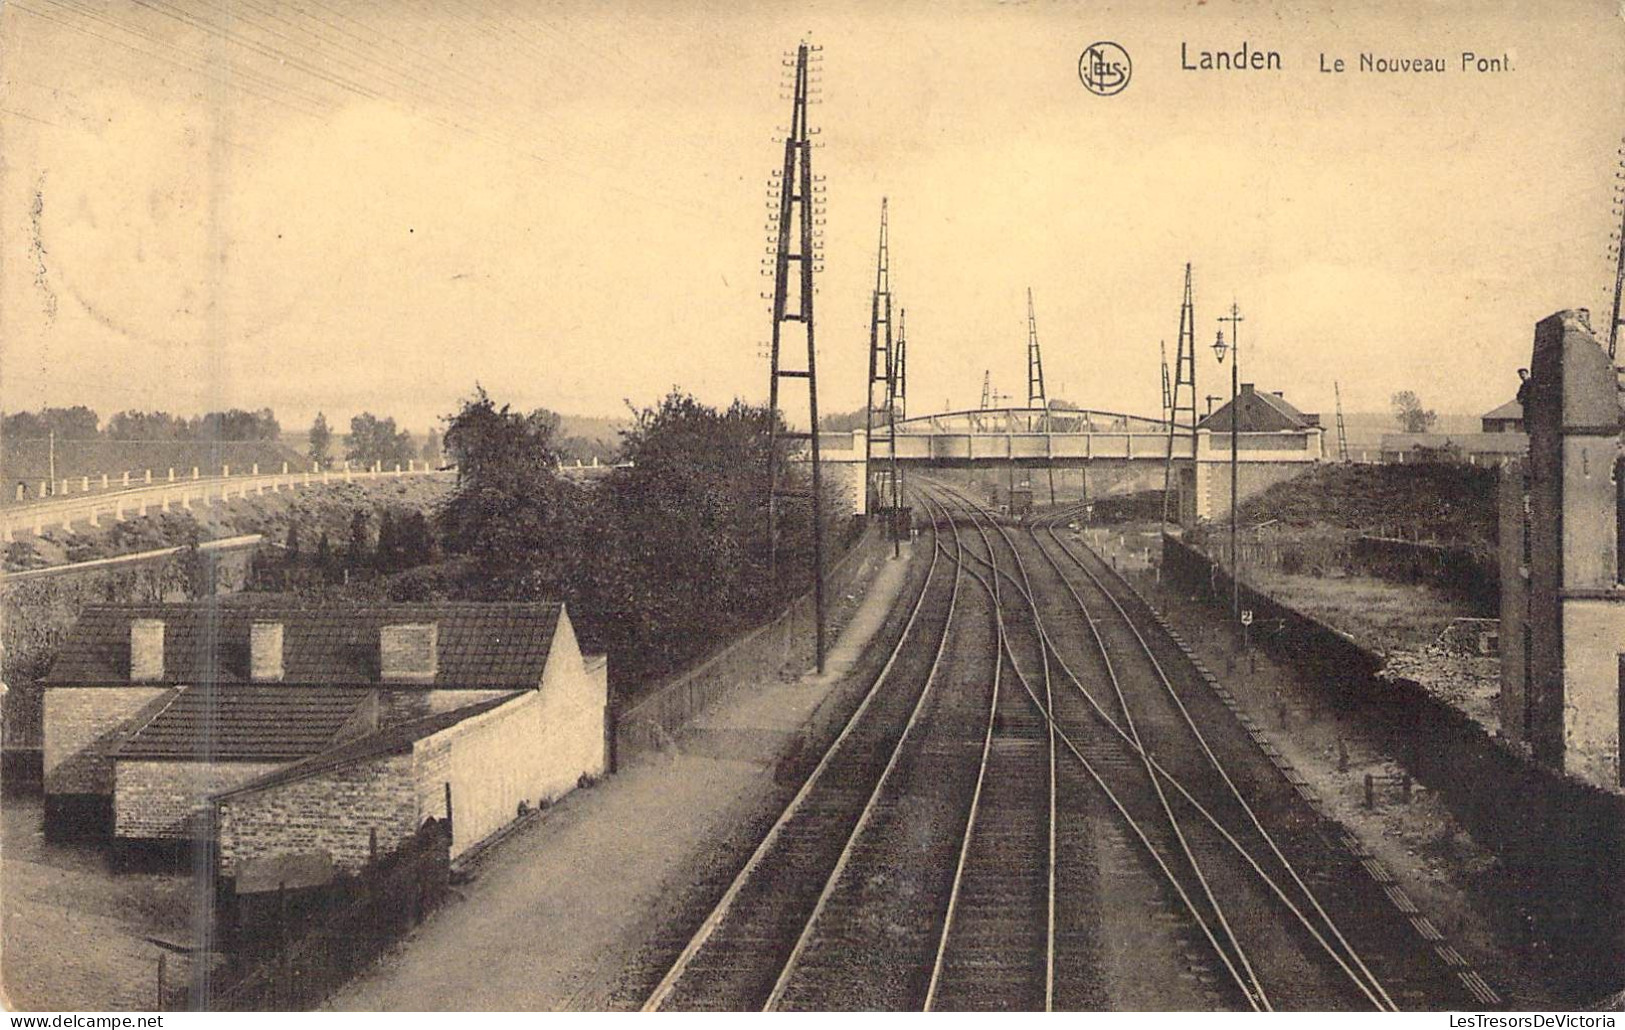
point(166, 495)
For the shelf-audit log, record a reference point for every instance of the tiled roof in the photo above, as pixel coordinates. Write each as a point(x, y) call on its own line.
point(245, 723)
point(389, 740)
point(480, 646)
point(1510, 410)
point(1261, 412)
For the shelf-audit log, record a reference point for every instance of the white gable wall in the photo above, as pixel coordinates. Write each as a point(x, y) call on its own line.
point(533, 749)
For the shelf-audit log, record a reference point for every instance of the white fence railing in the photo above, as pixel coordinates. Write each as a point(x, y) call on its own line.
point(137, 501)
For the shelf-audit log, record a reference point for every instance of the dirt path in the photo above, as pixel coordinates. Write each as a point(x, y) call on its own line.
point(76, 935)
point(560, 910)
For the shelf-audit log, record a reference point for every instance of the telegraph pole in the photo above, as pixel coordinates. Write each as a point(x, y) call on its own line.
point(899, 403)
point(1235, 320)
point(900, 400)
point(1036, 397)
point(1035, 362)
point(1184, 384)
point(1619, 259)
point(1342, 432)
point(880, 374)
point(794, 238)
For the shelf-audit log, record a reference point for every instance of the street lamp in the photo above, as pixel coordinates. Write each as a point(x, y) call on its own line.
point(1219, 351)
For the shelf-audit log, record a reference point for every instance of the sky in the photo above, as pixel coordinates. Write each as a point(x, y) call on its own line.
point(345, 205)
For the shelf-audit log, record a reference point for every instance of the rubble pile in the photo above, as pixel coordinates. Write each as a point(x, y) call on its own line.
point(1470, 683)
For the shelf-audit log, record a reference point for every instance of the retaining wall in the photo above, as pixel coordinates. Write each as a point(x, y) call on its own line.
point(1561, 842)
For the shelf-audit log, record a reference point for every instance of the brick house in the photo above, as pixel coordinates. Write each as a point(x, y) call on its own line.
point(151, 711)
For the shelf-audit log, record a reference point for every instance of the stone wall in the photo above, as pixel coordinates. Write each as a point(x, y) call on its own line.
point(165, 800)
point(335, 812)
point(82, 723)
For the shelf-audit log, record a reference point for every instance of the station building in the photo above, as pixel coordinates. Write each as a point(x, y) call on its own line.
point(1562, 560)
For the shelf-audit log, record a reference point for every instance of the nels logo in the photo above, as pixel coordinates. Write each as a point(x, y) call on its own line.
point(1105, 68)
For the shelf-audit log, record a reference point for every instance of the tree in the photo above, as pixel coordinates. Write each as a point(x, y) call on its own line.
point(321, 439)
point(372, 439)
point(680, 536)
point(431, 448)
point(360, 539)
point(324, 558)
point(237, 425)
point(1408, 411)
point(511, 511)
point(146, 425)
point(75, 423)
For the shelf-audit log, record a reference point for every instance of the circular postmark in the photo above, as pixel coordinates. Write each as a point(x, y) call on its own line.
point(1104, 68)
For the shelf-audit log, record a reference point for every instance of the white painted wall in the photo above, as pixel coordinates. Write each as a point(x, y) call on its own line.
point(534, 748)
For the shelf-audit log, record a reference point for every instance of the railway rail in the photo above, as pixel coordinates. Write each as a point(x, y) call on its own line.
point(938, 856)
point(1274, 914)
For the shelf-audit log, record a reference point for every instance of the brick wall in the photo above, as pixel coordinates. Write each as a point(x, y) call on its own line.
point(163, 800)
point(80, 723)
point(332, 812)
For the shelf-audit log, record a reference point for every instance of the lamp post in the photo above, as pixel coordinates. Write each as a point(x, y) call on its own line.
point(1219, 349)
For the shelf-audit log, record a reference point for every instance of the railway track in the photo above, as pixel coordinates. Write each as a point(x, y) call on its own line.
point(1132, 688)
point(764, 944)
point(1034, 752)
point(1302, 849)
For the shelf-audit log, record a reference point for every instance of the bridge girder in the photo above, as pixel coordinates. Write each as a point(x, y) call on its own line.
point(1001, 421)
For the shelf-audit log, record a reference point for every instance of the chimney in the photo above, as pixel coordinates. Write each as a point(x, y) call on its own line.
point(1279, 394)
point(409, 652)
point(146, 650)
point(1246, 388)
point(265, 652)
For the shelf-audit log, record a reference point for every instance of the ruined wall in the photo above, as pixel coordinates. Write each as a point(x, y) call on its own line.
point(1594, 639)
point(1513, 499)
point(1573, 685)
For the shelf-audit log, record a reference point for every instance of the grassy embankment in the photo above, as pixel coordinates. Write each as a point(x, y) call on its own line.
point(1301, 549)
